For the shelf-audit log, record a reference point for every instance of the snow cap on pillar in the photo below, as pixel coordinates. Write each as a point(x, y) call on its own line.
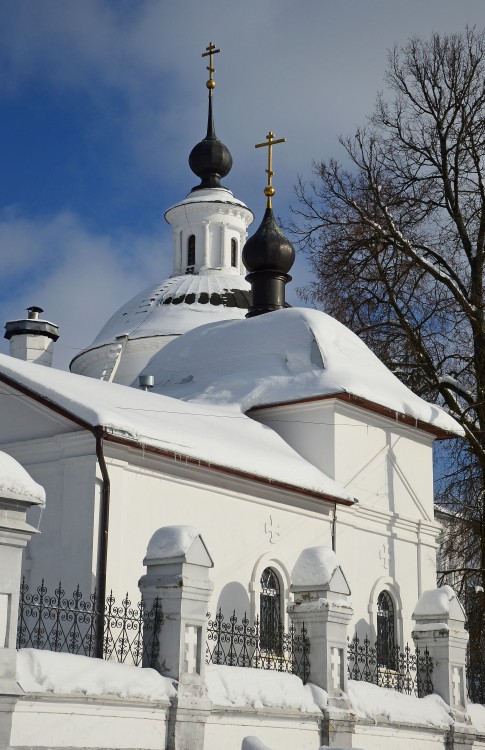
point(178, 543)
point(268, 255)
point(317, 574)
point(210, 159)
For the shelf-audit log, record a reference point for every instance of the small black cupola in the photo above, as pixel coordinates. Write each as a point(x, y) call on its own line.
point(268, 255)
point(210, 159)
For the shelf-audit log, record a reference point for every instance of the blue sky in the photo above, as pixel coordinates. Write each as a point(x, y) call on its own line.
point(101, 103)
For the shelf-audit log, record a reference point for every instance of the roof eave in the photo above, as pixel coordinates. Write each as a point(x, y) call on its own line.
point(371, 406)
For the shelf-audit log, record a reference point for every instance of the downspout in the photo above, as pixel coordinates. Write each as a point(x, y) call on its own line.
point(334, 528)
point(103, 537)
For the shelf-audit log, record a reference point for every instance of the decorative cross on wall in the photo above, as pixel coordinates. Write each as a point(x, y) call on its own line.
point(384, 555)
point(335, 668)
point(191, 649)
point(272, 529)
point(456, 680)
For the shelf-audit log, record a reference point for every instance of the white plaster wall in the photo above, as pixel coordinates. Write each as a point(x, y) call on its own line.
point(388, 539)
point(399, 737)
point(279, 729)
point(236, 527)
point(79, 722)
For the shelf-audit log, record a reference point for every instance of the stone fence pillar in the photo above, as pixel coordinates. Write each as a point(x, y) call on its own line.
point(178, 563)
point(321, 596)
point(439, 627)
point(15, 532)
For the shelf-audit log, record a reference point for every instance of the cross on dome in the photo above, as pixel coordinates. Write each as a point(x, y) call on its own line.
point(210, 51)
point(269, 190)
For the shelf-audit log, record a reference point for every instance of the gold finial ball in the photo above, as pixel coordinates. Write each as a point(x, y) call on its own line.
point(211, 84)
point(269, 191)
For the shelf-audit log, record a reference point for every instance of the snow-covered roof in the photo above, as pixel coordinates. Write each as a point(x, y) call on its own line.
point(16, 483)
point(177, 305)
point(217, 435)
point(284, 356)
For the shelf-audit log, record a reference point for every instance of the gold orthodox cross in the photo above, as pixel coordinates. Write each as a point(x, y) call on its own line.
point(210, 51)
point(269, 190)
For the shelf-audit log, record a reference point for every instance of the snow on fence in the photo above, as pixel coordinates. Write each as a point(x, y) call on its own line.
point(240, 644)
point(409, 671)
point(88, 627)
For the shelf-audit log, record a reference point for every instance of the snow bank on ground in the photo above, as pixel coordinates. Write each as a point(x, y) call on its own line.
point(476, 713)
point(215, 434)
point(315, 565)
point(66, 674)
point(279, 357)
point(373, 702)
point(240, 686)
point(171, 541)
point(14, 480)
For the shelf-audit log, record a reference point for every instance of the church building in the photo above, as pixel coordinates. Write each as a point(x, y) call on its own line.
point(206, 401)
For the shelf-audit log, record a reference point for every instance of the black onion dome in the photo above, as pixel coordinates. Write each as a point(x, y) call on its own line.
point(210, 159)
point(268, 248)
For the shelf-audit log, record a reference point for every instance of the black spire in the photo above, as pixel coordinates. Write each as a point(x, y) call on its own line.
point(268, 255)
point(210, 159)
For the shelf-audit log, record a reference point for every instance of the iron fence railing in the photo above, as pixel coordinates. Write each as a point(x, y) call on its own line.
point(242, 644)
point(89, 627)
point(409, 671)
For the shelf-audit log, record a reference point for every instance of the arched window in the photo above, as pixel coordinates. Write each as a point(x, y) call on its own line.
point(386, 645)
point(234, 253)
point(191, 250)
point(270, 611)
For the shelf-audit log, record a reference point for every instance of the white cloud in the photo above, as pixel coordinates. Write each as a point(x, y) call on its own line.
point(77, 276)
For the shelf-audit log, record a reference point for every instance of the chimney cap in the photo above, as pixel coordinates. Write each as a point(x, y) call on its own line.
point(34, 311)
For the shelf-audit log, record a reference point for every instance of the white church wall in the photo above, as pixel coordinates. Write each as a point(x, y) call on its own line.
point(380, 551)
point(389, 535)
point(245, 532)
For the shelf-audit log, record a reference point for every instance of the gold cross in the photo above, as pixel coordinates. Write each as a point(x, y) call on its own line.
point(269, 190)
point(210, 51)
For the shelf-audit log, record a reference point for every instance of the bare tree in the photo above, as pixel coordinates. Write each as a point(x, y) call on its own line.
point(395, 237)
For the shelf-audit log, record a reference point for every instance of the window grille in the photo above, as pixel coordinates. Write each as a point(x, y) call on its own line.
point(234, 253)
point(191, 250)
point(270, 608)
point(385, 631)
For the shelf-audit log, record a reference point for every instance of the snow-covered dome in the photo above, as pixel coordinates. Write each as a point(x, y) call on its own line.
point(154, 317)
point(209, 228)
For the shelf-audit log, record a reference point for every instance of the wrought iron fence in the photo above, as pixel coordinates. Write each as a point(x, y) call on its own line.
point(240, 644)
point(89, 627)
point(408, 671)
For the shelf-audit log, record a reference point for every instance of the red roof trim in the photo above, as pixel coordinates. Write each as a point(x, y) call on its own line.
point(173, 455)
point(371, 406)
